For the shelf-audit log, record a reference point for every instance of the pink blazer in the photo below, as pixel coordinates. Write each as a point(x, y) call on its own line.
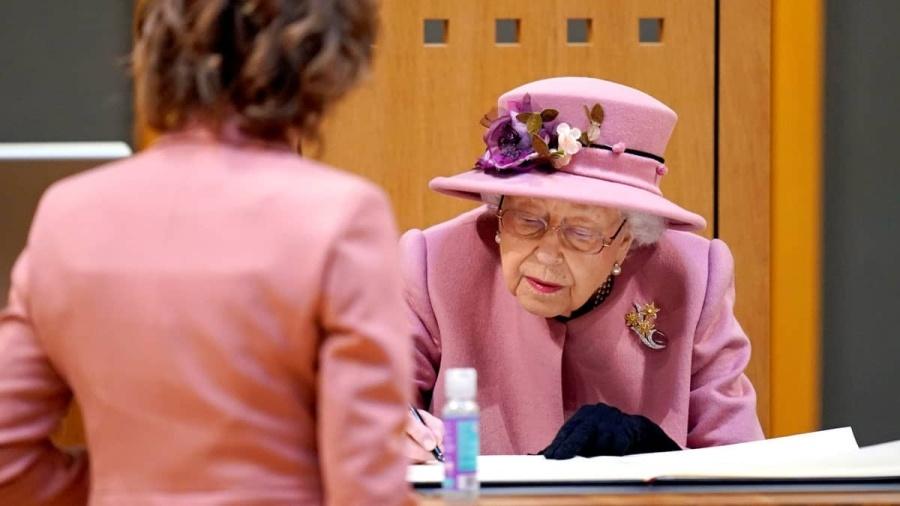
point(533, 372)
point(229, 319)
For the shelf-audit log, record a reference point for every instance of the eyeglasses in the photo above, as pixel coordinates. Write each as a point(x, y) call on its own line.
point(577, 237)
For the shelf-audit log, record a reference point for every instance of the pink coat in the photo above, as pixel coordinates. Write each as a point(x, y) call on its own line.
point(535, 372)
point(229, 319)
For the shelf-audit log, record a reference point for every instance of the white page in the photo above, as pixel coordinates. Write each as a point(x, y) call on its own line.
point(808, 446)
point(754, 457)
point(535, 468)
point(871, 462)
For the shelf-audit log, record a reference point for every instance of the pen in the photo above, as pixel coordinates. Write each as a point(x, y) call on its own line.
point(438, 454)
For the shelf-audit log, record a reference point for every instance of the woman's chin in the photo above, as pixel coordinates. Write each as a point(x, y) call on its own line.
point(541, 305)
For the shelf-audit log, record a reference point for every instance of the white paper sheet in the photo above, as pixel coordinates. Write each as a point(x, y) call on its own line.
point(830, 453)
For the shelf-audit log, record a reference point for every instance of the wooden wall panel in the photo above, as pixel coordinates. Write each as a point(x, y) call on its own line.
point(744, 218)
point(417, 117)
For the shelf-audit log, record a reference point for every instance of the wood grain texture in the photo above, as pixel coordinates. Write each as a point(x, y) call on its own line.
point(744, 200)
point(417, 116)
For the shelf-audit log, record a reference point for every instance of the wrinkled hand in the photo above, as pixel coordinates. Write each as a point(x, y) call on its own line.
point(601, 429)
point(423, 438)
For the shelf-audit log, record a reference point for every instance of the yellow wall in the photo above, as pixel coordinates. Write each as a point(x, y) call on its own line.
point(797, 56)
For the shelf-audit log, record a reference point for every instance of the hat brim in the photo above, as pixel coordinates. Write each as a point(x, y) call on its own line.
point(569, 187)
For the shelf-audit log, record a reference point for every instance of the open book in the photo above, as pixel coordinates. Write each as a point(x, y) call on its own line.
point(826, 455)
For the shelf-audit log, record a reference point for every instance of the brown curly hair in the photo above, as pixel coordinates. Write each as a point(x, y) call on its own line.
point(273, 65)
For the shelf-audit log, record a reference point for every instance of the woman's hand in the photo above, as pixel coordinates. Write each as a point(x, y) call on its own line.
point(423, 438)
point(601, 429)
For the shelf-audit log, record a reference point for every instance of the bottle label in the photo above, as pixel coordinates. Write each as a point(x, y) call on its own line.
point(461, 449)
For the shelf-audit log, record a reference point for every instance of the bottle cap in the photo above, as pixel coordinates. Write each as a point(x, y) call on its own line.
point(461, 383)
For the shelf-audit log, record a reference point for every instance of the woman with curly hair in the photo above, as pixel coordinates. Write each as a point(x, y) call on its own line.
point(227, 313)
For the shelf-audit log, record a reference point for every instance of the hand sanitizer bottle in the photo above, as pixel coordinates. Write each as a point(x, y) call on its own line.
point(461, 443)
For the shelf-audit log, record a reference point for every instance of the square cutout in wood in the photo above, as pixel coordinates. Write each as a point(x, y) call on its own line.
point(506, 31)
point(578, 30)
point(435, 32)
point(650, 30)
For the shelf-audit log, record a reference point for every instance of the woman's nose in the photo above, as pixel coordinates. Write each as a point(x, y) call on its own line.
point(549, 250)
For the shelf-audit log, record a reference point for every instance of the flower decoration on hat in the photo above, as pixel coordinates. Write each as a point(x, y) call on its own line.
point(567, 140)
point(642, 321)
point(523, 138)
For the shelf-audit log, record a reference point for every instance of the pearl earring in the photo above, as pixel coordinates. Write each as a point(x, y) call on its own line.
point(616, 269)
point(497, 237)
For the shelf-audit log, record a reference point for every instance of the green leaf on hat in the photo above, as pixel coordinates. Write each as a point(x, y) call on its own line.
point(540, 147)
point(534, 123)
point(549, 114)
point(524, 116)
point(597, 114)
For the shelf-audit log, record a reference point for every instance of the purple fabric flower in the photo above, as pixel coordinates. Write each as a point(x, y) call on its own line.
point(508, 142)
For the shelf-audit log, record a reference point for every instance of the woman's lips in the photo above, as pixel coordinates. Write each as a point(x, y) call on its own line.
point(542, 286)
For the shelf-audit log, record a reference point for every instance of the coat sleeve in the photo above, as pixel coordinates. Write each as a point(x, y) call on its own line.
point(722, 400)
point(364, 361)
point(419, 312)
point(33, 399)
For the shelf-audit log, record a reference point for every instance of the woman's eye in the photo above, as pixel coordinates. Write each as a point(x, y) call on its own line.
point(581, 234)
point(527, 226)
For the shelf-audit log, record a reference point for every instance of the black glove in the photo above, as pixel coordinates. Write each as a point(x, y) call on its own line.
point(604, 430)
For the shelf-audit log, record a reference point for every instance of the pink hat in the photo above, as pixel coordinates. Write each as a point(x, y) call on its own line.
point(578, 139)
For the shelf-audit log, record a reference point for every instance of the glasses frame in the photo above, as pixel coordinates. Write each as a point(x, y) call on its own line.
point(604, 241)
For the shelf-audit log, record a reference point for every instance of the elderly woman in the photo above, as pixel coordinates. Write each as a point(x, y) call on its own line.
point(228, 314)
point(577, 292)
